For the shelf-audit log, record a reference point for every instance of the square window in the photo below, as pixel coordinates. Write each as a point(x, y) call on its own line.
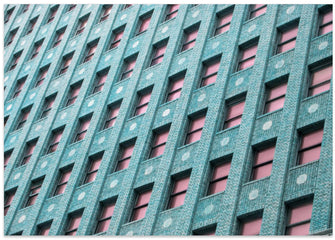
point(310, 146)
point(55, 138)
point(158, 53)
point(116, 38)
point(141, 205)
point(196, 123)
point(63, 178)
point(93, 167)
point(125, 152)
point(190, 36)
point(41, 76)
point(159, 142)
point(250, 226)
point(298, 218)
point(73, 93)
point(142, 102)
point(263, 159)
point(210, 71)
point(36, 49)
point(128, 67)
point(14, 61)
point(43, 229)
point(28, 152)
point(58, 37)
point(112, 113)
point(223, 20)
point(326, 20)
point(287, 38)
point(19, 87)
point(275, 98)
point(81, 25)
point(175, 87)
point(66, 61)
point(178, 192)
point(320, 79)
point(172, 11)
point(105, 216)
point(35, 188)
point(73, 223)
point(247, 56)
point(52, 14)
point(47, 106)
point(105, 11)
point(7, 155)
point(257, 10)
point(219, 177)
point(83, 126)
point(234, 114)
point(9, 196)
point(100, 80)
point(143, 24)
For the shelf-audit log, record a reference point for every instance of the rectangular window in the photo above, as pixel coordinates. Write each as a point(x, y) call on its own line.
point(105, 216)
point(36, 49)
point(159, 142)
point(105, 11)
point(223, 22)
point(28, 152)
point(247, 57)
point(176, 84)
point(190, 36)
point(11, 37)
point(172, 11)
point(9, 196)
point(54, 140)
point(84, 124)
point(127, 6)
point(8, 14)
point(320, 80)
point(35, 188)
point(47, 106)
point(71, 7)
point(100, 80)
point(14, 61)
point(257, 10)
point(41, 76)
point(287, 38)
point(90, 50)
point(178, 193)
point(141, 205)
point(143, 24)
point(219, 178)
point(58, 37)
point(262, 165)
point(31, 25)
point(7, 157)
point(299, 218)
point(43, 229)
point(23, 117)
point(73, 93)
point(73, 223)
point(64, 176)
point(208, 230)
point(19, 87)
point(128, 67)
point(66, 61)
point(25, 8)
point(93, 167)
point(81, 25)
point(196, 124)
point(234, 114)
point(275, 98)
point(210, 71)
point(158, 53)
point(112, 113)
point(116, 36)
point(125, 152)
point(251, 227)
point(310, 147)
point(52, 14)
point(142, 102)
point(326, 20)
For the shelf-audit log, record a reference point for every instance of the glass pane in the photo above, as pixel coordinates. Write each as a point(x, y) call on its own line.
point(177, 201)
point(320, 89)
point(108, 210)
point(218, 186)
point(222, 29)
point(181, 185)
point(193, 137)
point(144, 99)
point(302, 229)
point(177, 84)
point(326, 29)
point(221, 170)
point(248, 63)
point(95, 164)
point(103, 226)
point(60, 189)
point(141, 110)
point(312, 139)
point(191, 35)
point(289, 34)
point(174, 95)
point(249, 52)
point(262, 172)
point(212, 68)
point(310, 155)
point(275, 105)
point(123, 165)
point(144, 25)
point(252, 227)
point(327, 17)
point(91, 177)
point(225, 19)
point(233, 123)
point(235, 110)
point(277, 91)
point(128, 151)
point(161, 138)
point(139, 213)
point(258, 12)
point(74, 223)
point(158, 151)
point(300, 213)
point(287, 46)
point(197, 123)
point(264, 155)
point(322, 75)
point(160, 51)
point(143, 198)
point(65, 177)
point(209, 80)
point(118, 36)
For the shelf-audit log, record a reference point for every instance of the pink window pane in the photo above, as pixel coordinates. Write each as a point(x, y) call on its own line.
point(173, 96)
point(75, 91)
point(123, 165)
point(83, 23)
point(71, 233)
point(30, 149)
point(157, 60)
point(65, 177)
point(300, 213)
point(193, 137)
point(139, 213)
point(108, 211)
point(188, 46)
point(144, 99)
point(91, 177)
point(212, 68)
point(246, 64)
point(57, 137)
point(222, 29)
point(174, 7)
point(131, 65)
point(252, 228)
point(235, 110)
point(60, 189)
point(95, 165)
point(67, 62)
point(177, 200)
point(312, 139)
point(181, 185)
point(191, 36)
point(327, 17)
point(177, 84)
point(197, 123)
point(32, 200)
point(259, 11)
point(320, 89)
point(225, 19)
point(103, 226)
point(92, 49)
point(43, 74)
point(310, 155)
point(85, 124)
point(144, 25)
point(289, 34)
point(45, 231)
point(128, 151)
point(326, 29)
point(141, 110)
point(161, 138)
point(249, 52)
point(118, 36)
point(221, 171)
point(274, 105)
point(143, 198)
point(262, 171)
point(232, 123)
point(9, 199)
point(157, 151)
point(160, 51)
point(287, 46)
point(25, 115)
point(114, 112)
point(299, 230)
point(74, 223)
point(218, 186)
point(107, 10)
point(209, 80)
point(265, 155)
point(278, 91)
point(322, 75)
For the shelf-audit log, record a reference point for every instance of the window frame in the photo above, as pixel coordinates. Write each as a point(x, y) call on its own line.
point(110, 116)
point(100, 76)
point(136, 207)
point(35, 185)
point(242, 49)
point(191, 119)
point(302, 134)
point(59, 182)
point(36, 49)
point(253, 10)
point(46, 226)
point(45, 108)
point(81, 123)
point(90, 50)
point(228, 105)
point(31, 25)
point(43, 71)
point(205, 66)
point(186, 32)
point(19, 87)
point(81, 25)
point(172, 189)
point(8, 195)
point(283, 29)
point(321, 12)
point(11, 37)
point(268, 89)
point(220, 16)
point(15, 59)
point(22, 118)
point(58, 37)
point(52, 14)
point(8, 15)
point(256, 150)
point(168, 12)
point(180, 77)
point(289, 206)
point(249, 219)
point(155, 135)
point(123, 148)
point(222, 162)
point(141, 21)
point(103, 15)
point(91, 162)
point(140, 95)
point(53, 138)
point(116, 41)
point(71, 98)
point(26, 155)
point(155, 50)
point(71, 217)
point(7, 155)
point(312, 71)
point(100, 219)
point(126, 63)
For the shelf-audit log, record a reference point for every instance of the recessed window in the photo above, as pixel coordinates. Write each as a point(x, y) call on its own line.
point(105, 216)
point(73, 94)
point(71, 7)
point(178, 192)
point(320, 79)
point(247, 56)
point(310, 146)
point(172, 11)
point(25, 8)
point(7, 155)
point(299, 218)
point(112, 113)
point(93, 167)
point(223, 20)
point(65, 64)
point(81, 25)
point(263, 159)
point(28, 152)
point(116, 38)
point(8, 14)
point(5, 119)
point(9, 196)
point(14, 61)
point(251, 226)
point(19, 87)
point(54, 140)
point(143, 24)
point(257, 10)
point(326, 20)
point(83, 126)
point(128, 67)
point(11, 37)
point(58, 37)
point(73, 223)
point(105, 11)
point(234, 113)
point(275, 98)
point(127, 6)
point(100, 80)
point(34, 190)
point(196, 123)
point(63, 178)
point(219, 177)
point(125, 152)
point(175, 87)
point(90, 50)
point(41, 76)
point(142, 102)
point(31, 25)
point(44, 228)
point(287, 38)
point(158, 53)
point(208, 230)
point(141, 205)
point(190, 36)
point(36, 49)
point(159, 142)
point(47, 106)
point(210, 71)
point(52, 14)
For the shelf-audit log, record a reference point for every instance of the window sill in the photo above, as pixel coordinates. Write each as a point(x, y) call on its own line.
point(254, 181)
point(16, 131)
point(47, 155)
point(171, 209)
point(40, 120)
point(93, 95)
point(54, 197)
point(134, 117)
point(152, 159)
point(316, 95)
point(187, 145)
point(210, 196)
point(153, 66)
point(21, 166)
point(74, 143)
point(84, 185)
point(282, 53)
point(303, 165)
point(110, 50)
point(132, 222)
point(66, 107)
point(167, 103)
point(25, 208)
point(228, 129)
point(118, 172)
point(204, 87)
point(104, 130)
point(269, 113)
point(253, 19)
point(241, 71)
point(218, 35)
point(166, 22)
point(183, 52)
point(321, 36)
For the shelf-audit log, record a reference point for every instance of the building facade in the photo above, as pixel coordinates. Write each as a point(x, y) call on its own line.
point(168, 119)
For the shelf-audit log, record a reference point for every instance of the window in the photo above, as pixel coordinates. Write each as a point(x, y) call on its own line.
point(19, 87)
point(105, 215)
point(23, 117)
point(73, 93)
point(257, 10)
point(176, 84)
point(143, 24)
point(9, 196)
point(8, 14)
point(41, 76)
point(52, 14)
point(158, 53)
point(172, 11)
point(141, 205)
point(126, 150)
point(209, 230)
point(47, 106)
point(117, 36)
point(84, 123)
point(7, 155)
point(219, 178)
point(127, 6)
point(15, 61)
point(5, 120)
point(73, 223)
point(90, 50)
point(11, 37)
point(159, 142)
point(247, 57)
point(310, 146)
point(25, 8)
point(54, 140)
point(81, 25)
point(275, 98)
point(31, 25)
point(143, 102)
point(66, 61)
point(58, 37)
point(287, 38)
point(251, 226)
point(223, 22)
point(234, 114)
point(112, 113)
point(178, 193)
point(105, 11)
point(298, 218)
point(100, 80)
point(35, 188)
point(326, 20)
point(262, 165)
point(196, 124)
point(320, 80)
point(93, 167)
point(43, 229)
point(210, 71)
point(128, 67)
point(71, 7)
point(36, 49)
point(190, 36)
point(64, 176)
